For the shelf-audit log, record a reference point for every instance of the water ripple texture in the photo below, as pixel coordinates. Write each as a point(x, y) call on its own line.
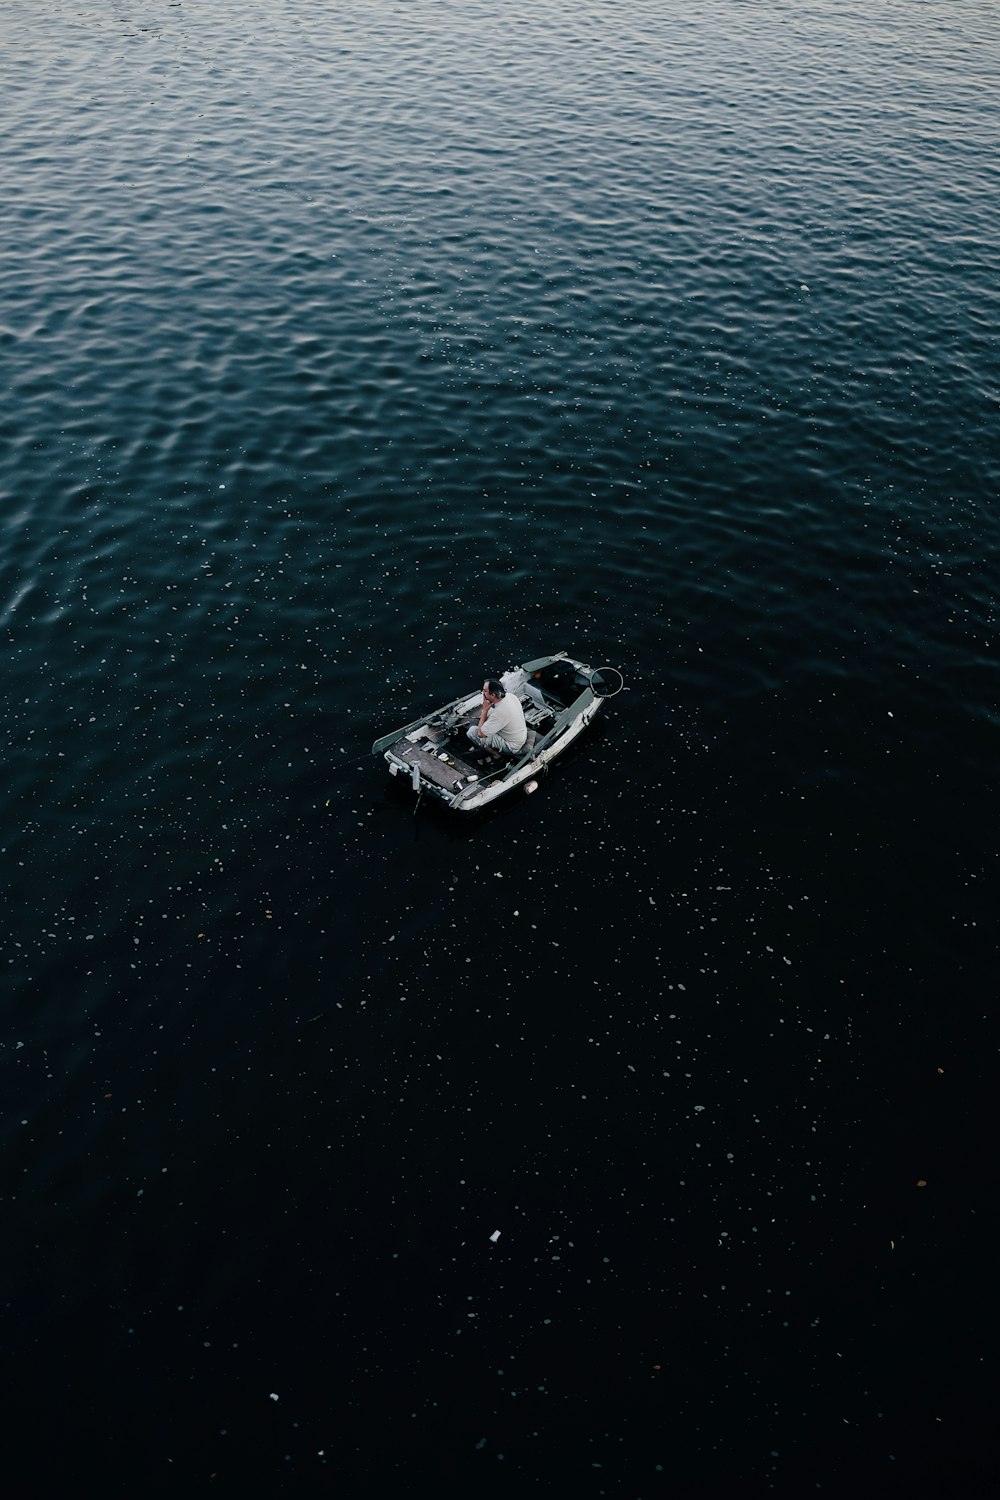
point(351, 353)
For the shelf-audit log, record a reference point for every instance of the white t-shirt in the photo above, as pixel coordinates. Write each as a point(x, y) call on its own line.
point(506, 718)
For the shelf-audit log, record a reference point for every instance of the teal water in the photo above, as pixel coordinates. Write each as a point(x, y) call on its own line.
point(351, 355)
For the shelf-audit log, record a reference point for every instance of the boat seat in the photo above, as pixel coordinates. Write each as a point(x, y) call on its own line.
point(509, 756)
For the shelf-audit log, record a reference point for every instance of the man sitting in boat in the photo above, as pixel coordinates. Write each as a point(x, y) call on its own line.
point(501, 724)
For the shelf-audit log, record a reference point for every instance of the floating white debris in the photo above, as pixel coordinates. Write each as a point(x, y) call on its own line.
point(495, 1236)
point(274, 1396)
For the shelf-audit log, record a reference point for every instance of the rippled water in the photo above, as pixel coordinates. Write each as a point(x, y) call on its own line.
point(353, 353)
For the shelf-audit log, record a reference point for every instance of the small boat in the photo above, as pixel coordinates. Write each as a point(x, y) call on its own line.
point(559, 697)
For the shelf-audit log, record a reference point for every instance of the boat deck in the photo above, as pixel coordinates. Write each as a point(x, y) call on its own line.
point(455, 771)
point(450, 773)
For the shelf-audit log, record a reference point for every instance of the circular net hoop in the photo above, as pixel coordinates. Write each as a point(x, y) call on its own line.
point(606, 682)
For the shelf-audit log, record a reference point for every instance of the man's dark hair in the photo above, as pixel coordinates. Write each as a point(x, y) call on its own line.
point(496, 688)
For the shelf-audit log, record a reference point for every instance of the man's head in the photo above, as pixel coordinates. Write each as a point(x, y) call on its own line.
point(493, 689)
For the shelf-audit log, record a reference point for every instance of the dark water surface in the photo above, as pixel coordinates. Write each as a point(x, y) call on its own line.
point(351, 353)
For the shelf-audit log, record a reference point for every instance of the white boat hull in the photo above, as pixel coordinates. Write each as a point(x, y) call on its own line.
point(434, 758)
